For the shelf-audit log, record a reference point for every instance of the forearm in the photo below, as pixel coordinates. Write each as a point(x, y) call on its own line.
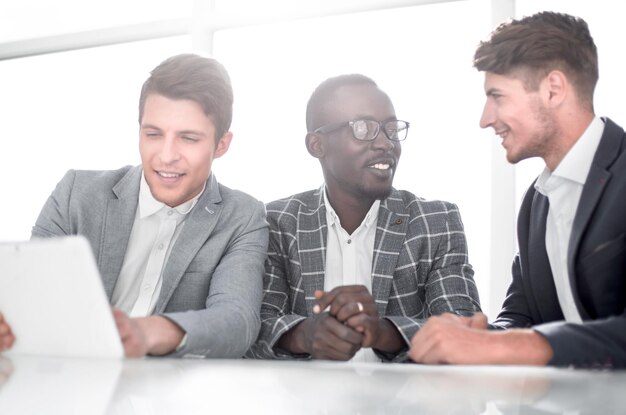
point(517, 347)
point(220, 331)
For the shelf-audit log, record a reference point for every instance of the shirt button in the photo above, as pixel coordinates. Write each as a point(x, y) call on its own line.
point(349, 241)
point(170, 212)
point(160, 246)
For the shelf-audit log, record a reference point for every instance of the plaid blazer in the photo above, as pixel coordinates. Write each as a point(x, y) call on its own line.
point(419, 268)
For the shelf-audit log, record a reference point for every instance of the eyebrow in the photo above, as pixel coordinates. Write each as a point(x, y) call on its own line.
point(182, 132)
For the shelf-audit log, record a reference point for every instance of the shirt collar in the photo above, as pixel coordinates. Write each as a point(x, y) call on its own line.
point(576, 164)
point(148, 205)
point(370, 218)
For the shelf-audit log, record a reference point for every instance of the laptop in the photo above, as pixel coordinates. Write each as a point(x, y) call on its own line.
point(52, 295)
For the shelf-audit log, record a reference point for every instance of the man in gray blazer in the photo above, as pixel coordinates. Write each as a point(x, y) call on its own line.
point(566, 305)
point(356, 267)
point(181, 256)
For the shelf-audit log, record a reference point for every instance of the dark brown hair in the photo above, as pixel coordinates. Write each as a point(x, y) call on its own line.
point(533, 46)
point(196, 78)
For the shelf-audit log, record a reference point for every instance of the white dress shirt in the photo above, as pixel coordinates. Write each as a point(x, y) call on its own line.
point(349, 258)
point(154, 232)
point(563, 188)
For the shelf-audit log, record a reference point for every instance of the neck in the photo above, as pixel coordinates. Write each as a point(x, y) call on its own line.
point(350, 210)
point(572, 126)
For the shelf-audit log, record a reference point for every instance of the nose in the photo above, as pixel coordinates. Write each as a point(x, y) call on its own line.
point(169, 150)
point(381, 141)
point(487, 119)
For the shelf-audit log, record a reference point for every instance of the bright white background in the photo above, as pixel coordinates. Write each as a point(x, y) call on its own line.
point(78, 109)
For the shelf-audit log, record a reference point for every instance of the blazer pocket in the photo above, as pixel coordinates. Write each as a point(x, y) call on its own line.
point(604, 253)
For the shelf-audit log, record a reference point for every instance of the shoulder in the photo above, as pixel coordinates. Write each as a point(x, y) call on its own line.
point(96, 181)
point(309, 201)
point(238, 202)
point(418, 206)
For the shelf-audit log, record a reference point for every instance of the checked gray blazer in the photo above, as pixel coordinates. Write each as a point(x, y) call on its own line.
point(420, 266)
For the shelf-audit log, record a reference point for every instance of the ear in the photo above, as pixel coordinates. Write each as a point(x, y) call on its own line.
point(314, 145)
point(223, 145)
point(556, 87)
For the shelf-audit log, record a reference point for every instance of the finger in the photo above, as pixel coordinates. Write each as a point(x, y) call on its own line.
point(335, 348)
point(331, 342)
point(364, 324)
point(353, 308)
point(339, 294)
point(318, 294)
point(343, 332)
point(478, 321)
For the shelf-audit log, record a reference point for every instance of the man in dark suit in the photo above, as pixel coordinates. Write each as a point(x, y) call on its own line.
point(566, 305)
point(379, 260)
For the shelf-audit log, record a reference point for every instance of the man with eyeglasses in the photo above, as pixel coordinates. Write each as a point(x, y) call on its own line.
point(356, 267)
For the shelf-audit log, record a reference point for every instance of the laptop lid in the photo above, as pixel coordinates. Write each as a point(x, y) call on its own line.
point(52, 295)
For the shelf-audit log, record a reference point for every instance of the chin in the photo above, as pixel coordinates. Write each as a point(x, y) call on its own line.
point(380, 194)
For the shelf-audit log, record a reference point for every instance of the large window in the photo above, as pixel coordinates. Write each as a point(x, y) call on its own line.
point(78, 109)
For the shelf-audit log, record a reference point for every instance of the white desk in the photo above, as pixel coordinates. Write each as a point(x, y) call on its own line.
point(170, 386)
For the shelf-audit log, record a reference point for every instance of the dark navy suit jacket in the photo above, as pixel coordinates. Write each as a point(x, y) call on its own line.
point(596, 262)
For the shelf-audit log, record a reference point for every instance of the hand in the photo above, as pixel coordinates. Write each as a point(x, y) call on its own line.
point(344, 302)
point(7, 338)
point(133, 338)
point(154, 335)
point(453, 339)
point(354, 306)
point(323, 337)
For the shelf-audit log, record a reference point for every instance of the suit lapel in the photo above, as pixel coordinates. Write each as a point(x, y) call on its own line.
point(311, 235)
point(391, 228)
point(597, 180)
point(196, 230)
point(120, 216)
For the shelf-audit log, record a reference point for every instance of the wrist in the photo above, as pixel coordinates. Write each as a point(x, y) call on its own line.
point(294, 340)
point(162, 335)
point(389, 338)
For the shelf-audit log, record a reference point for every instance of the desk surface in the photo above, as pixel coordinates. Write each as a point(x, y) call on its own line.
point(30, 385)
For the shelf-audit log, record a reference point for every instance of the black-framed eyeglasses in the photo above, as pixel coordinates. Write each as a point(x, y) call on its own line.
point(367, 130)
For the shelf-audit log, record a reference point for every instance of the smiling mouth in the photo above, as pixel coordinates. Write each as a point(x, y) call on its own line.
point(169, 175)
point(380, 166)
point(502, 133)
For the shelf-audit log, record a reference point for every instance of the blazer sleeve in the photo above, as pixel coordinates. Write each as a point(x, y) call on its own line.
point(230, 323)
point(277, 317)
point(449, 285)
point(592, 344)
point(515, 311)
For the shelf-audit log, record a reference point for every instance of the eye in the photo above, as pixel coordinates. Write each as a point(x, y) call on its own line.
point(361, 129)
point(189, 139)
point(152, 134)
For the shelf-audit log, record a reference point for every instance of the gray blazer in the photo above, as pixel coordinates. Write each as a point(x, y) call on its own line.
point(420, 266)
point(212, 282)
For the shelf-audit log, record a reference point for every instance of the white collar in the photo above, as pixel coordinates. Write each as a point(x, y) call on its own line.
point(148, 205)
point(370, 218)
point(576, 164)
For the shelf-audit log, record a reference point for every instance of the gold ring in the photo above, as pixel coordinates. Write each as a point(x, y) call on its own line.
point(359, 306)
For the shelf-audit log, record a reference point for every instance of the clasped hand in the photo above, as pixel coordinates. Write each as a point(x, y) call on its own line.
point(346, 319)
